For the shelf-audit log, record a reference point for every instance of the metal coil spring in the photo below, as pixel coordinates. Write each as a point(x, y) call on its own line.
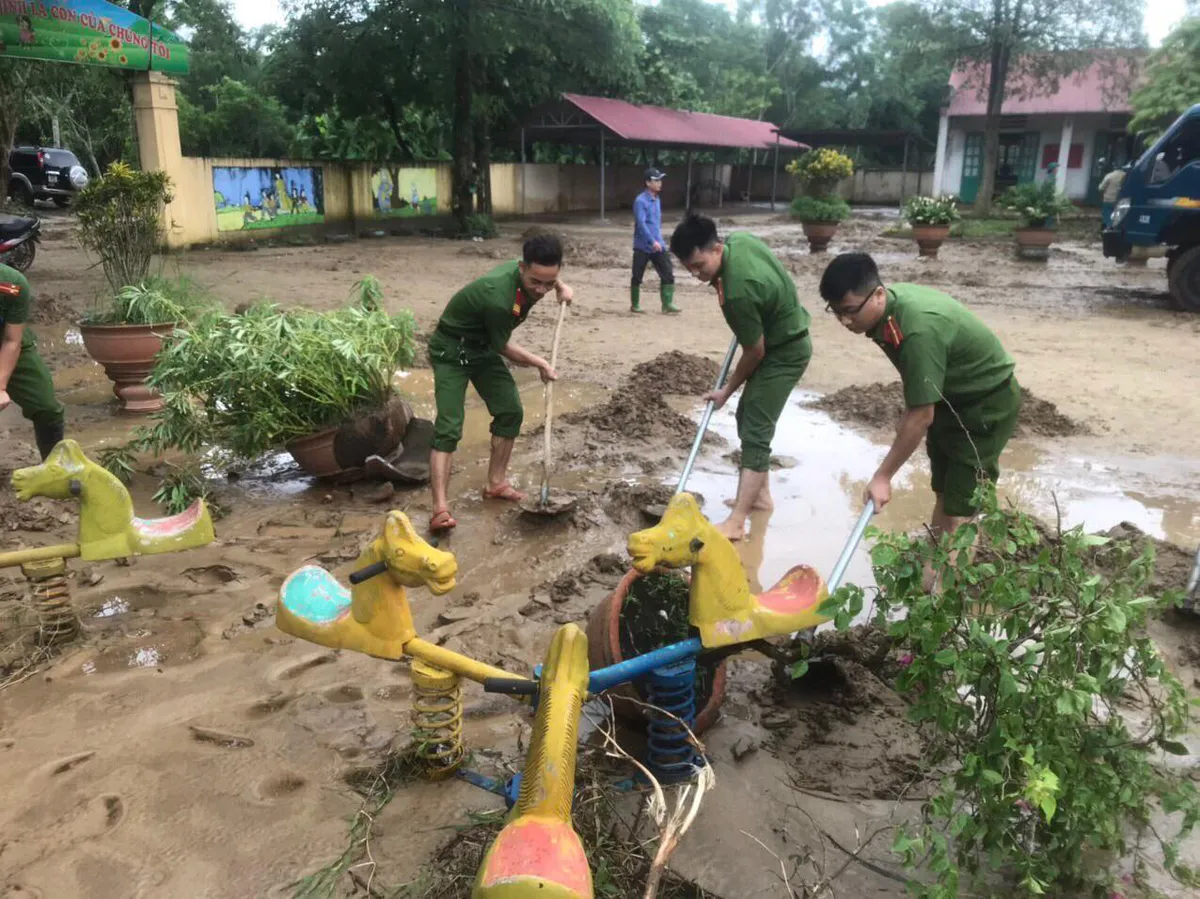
point(437, 716)
point(671, 756)
point(51, 598)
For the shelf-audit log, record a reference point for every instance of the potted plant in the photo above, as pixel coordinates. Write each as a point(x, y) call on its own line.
point(820, 210)
point(931, 218)
point(1038, 206)
point(126, 334)
point(318, 384)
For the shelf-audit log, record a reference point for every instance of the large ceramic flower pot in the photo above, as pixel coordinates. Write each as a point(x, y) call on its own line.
point(929, 238)
point(343, 450)
point(1034, 243)
point(819, 234)
point(127, 353)
point(604, 649)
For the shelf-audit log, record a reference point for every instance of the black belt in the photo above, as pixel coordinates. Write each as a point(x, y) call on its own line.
point(446, 332)
point(792, 339)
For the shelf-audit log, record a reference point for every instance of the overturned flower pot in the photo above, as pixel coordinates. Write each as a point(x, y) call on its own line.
point(342, 452)
point(127, 353)
point(615, 633)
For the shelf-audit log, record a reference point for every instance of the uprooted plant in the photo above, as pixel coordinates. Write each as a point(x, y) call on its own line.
point(1048, 708)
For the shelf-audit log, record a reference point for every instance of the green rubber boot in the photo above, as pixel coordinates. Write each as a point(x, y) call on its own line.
point(667, 293)
point(635, 298)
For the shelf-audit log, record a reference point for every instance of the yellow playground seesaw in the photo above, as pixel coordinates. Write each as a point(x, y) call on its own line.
point(108, 529)
point(539, 853)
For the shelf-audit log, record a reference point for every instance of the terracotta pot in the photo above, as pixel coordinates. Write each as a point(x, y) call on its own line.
point(335, 452)
point(127, 353)
point(604, 649)
point(1034, 243)
point(819, 234)
point(929, 238)
point(314, 453)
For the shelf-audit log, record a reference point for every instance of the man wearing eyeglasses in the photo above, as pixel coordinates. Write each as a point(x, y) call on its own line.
point(758, 299)
point(960, 394)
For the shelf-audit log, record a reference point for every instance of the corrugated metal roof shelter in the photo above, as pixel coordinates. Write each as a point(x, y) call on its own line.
point(602, 122)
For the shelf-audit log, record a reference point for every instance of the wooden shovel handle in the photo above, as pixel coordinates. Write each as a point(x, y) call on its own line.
point(562, 315)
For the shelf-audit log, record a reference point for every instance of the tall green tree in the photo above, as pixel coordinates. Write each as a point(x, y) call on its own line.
point(1028, 46)
point(1172, 82)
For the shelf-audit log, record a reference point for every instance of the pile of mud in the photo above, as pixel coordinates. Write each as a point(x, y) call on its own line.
point(51, 308)
point(1172, 565)
point(881, 405)
point(582, 255)
point(676, 372)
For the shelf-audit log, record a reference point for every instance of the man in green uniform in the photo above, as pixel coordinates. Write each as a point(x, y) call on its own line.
point(758, 299)
point(471, 342)
point(959, 390)
point(24, 378)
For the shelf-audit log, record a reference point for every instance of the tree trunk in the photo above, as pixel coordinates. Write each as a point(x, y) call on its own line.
point(483, 165)
point(1002, 33)
point(464, 137)
point(11, 84)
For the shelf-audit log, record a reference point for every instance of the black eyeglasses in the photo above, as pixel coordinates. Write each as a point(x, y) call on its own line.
point(850, 311)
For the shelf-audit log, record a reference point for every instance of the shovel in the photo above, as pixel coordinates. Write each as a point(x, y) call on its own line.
point(656, 511)
point(544, 505)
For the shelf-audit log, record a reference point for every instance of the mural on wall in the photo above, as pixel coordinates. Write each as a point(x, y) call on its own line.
point(397, 192)
point(250, 199)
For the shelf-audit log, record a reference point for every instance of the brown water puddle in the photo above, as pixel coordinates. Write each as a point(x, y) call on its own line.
point(819, 498)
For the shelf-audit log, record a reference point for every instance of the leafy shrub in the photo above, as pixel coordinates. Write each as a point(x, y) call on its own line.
point(155, 301)
point(250, 383)
point(119, 220)
point(1036, 204)
point(1017, 670)
point(931, 210)
point(478, 225)
point(819, 171)
point(820, 209)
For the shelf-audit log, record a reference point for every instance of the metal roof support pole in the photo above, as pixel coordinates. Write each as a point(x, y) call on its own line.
point(522, 171)
point(775, 172)
point(904, 175)
point(602, 174)
point(750, 180)
point(687, 202)
point(719, 168)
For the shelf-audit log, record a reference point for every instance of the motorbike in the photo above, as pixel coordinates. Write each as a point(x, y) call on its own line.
point(19, 236)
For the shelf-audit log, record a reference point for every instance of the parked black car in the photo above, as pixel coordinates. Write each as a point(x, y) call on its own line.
point(45, 173)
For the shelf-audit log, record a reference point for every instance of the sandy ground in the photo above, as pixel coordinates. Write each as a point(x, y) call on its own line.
point(187, 748)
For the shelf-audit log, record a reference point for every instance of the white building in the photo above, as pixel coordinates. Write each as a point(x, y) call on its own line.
point(1088, 113)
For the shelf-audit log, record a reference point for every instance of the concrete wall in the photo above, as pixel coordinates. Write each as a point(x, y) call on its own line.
point(362, 196)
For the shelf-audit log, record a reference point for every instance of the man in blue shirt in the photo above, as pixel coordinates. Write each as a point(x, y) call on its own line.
point(649, 246)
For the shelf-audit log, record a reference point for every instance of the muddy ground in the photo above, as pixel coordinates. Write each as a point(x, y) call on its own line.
point(185, 747)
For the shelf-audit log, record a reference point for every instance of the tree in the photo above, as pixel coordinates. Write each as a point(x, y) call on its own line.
point(1026, 47)
point(242, 122)
point(1172, 81)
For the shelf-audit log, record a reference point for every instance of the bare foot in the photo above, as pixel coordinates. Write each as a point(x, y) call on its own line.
point(762, 504)
point(732, 530)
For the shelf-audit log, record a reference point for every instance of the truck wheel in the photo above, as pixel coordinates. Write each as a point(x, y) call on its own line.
point(1184, 280)
point(21, 193)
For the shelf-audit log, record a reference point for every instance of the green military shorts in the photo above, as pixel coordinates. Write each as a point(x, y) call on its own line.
point(31, 386)
point(764, 395)
point(964, 446)
point(457, 363)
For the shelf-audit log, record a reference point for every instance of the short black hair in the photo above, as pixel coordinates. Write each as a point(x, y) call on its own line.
point(696, 232)
point(854, 273)
point(543, 249)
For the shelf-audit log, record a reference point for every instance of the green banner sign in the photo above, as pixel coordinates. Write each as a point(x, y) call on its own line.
point(88, 32)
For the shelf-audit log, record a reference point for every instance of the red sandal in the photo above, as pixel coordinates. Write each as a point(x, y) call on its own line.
point(507, 492)
point(442, 521)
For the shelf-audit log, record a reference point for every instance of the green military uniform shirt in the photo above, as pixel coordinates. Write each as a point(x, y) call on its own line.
point(941, 349)
point(757, 295)
point(489, 309)
point(14, 301)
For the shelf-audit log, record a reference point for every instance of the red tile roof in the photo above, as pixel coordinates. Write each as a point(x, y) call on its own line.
point(661, 126)
point(1103, 87)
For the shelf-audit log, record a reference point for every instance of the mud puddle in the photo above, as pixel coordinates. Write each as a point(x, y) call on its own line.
point(818, 499)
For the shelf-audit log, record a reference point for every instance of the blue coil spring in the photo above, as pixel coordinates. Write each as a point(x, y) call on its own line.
point(671, 757)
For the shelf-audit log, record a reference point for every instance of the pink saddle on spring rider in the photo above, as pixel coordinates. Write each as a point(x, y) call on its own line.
point(797, 591)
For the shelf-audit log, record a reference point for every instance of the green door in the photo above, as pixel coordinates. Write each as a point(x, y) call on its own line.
point(972, 168)
point(1100, 165)
point(1027, 169)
